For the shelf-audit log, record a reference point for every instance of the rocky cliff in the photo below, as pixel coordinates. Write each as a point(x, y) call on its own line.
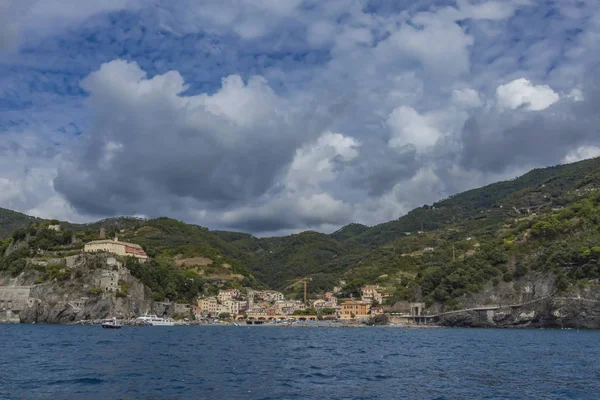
point(532, 302)
point(553, 312)
point(87, 287)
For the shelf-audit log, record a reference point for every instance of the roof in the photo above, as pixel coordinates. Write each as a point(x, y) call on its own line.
point(355, 302)
point(135, 246)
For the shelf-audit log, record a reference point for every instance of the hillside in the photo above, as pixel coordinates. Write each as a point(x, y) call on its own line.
point(485, 240)
point(11, 221)
point(544, 186)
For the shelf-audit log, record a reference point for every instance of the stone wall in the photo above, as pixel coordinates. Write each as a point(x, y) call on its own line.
point(14, 297)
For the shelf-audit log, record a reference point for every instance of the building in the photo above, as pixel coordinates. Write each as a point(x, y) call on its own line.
point(232, 307)
point(181, 309)
point(332, 302)
point(54, 227)
point(376, 310)
point(369, 292)
point(228, 294)
point(109, 281)
point(116, 247)
point(270, 295)
point(197, 313)
point(373, 293)
point(209, 305)
point(319, 304)
point(355, 309)
point(286, 307)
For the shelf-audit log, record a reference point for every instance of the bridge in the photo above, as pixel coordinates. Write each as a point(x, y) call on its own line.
point(484, 312)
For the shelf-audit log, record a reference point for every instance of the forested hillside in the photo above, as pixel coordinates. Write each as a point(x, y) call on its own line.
point(11, 221)
point(545, 221)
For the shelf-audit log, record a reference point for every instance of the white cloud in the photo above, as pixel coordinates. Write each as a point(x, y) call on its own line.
point(441, 47)
point(317, 162)
point(490, 10)
point(582, 153)
point(410, 127)
point(521, 92)
point(466, 98)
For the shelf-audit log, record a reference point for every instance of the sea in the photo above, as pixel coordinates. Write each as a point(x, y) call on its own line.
point(262, 362)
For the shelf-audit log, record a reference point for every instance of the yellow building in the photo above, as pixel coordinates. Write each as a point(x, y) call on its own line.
point(355, 309)
point(210, 305)
point(116, 247)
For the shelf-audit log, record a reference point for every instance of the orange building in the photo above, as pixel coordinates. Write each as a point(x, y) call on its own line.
point(355, 309)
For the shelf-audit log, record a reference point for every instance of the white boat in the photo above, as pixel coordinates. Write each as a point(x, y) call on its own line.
point(111, 323)
point(153, 320)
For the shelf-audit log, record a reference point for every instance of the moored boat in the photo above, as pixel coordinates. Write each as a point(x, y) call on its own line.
point(111, 323)
point(153, 320)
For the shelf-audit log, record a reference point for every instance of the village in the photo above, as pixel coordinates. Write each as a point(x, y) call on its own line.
point(269, 306)
point(227, 305)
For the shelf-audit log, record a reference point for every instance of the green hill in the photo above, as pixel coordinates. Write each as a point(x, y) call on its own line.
point(543, 186)
point(11, 221)
point(544, 221)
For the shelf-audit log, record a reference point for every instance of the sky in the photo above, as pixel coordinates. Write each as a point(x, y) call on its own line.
point(278, 116)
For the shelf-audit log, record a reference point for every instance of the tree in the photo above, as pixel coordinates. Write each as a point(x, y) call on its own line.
point(224, 315)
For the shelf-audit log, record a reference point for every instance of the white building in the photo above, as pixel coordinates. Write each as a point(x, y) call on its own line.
point(116, 247)
point(228, 294)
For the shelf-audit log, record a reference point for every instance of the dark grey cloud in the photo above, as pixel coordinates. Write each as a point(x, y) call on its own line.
point(147, 140)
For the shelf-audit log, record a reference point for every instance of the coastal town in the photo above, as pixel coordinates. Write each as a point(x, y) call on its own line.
point(223, 305)
point(258, 307)
point(268, 306)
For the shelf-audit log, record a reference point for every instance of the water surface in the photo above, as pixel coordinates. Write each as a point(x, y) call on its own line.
point(84, 362)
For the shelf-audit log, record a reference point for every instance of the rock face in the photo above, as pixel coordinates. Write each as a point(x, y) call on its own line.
point(552, 312)
point(530, 302)
point(99, 287)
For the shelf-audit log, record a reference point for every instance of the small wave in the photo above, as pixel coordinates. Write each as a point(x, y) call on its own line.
point(78, 381)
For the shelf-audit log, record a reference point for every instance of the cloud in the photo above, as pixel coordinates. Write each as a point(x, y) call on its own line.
point(466, 97)
point(299, 201)
point(521, 92)
point(411, 128)
point(582, 153)
point(149, 140)
point(37, 18)
point(276, 116)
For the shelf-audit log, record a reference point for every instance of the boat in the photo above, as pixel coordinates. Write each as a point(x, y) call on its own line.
point(153, 320)
point(111, 323)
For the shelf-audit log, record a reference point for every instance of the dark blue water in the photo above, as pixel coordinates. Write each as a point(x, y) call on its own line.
point(78, 362)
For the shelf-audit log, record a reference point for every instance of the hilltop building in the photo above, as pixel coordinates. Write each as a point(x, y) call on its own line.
point(116, 247)
point(373, 293)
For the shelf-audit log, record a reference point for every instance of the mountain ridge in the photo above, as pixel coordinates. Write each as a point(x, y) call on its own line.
point(389, 253)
